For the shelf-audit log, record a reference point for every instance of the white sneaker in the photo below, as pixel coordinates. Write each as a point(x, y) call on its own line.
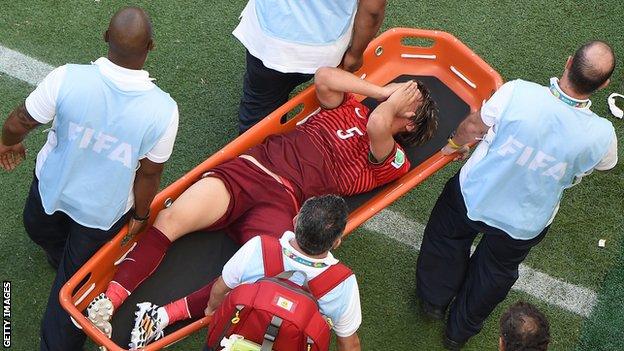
point(148, 326)
point(99, 312)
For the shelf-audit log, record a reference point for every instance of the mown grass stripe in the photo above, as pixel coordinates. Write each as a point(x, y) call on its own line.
point(22, 67)
point(570, 297)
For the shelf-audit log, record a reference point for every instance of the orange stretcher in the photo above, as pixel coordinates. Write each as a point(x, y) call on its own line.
point(459, 80)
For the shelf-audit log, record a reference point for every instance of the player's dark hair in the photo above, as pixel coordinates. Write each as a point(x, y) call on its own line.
point(320, 222)
point(585, 75)
point(524, 328)
point(425, 121)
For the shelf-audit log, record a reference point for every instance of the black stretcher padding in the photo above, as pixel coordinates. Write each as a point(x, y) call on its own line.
point(198, 258)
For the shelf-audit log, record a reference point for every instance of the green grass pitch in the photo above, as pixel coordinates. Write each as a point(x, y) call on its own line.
point(201, 64)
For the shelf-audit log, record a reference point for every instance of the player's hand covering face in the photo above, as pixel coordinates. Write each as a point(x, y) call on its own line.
point(389, 90)
point(405, 99)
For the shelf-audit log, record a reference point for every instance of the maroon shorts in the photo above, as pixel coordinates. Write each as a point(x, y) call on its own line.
point(259, 205)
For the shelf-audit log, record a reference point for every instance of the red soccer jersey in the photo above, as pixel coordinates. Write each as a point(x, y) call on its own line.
point(330, 154)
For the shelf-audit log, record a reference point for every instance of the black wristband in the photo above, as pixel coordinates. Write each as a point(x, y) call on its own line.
point(140, 219)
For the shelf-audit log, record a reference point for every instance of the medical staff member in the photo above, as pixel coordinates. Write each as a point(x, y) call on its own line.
point(112, 130)
point(287, 41)
point(537, 141)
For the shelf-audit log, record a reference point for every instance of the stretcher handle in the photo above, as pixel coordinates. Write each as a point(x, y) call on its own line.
point(416, 33)
point(463, 63)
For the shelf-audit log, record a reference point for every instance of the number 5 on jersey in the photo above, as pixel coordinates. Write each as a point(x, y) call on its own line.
point(342, 134)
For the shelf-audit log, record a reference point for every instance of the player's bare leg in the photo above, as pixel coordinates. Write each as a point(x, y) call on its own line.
point(202, 204)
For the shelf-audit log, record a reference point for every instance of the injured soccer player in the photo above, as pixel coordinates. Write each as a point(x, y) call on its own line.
point(345, 149)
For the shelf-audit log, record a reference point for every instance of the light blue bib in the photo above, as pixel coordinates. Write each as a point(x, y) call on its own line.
point(310, 22)
point(101, 132)
point(541, 144)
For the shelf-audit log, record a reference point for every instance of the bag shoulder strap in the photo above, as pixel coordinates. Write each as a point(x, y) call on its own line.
point(329, 279)
point(271, 256)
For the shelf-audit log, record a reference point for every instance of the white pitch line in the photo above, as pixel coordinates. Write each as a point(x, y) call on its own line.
point(568, 296)
point(22, 67)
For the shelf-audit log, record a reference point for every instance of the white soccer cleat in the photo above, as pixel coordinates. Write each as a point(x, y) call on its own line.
point(100, 312)
point(148, 325)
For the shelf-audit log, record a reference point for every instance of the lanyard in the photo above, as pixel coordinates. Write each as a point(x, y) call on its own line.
point(559, 94)
point(302, 260)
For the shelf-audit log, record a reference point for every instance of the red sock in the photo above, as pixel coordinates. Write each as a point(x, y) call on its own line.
point(116, 293)
point(177, 310)
point(140, 263)
point(191, 306)
point(198, 301)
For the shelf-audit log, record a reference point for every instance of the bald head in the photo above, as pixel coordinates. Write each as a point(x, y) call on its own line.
point(129, 37)
point(592, 65)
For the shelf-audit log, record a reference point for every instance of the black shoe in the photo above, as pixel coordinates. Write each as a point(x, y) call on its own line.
point(452, 345)
point(432, 311)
